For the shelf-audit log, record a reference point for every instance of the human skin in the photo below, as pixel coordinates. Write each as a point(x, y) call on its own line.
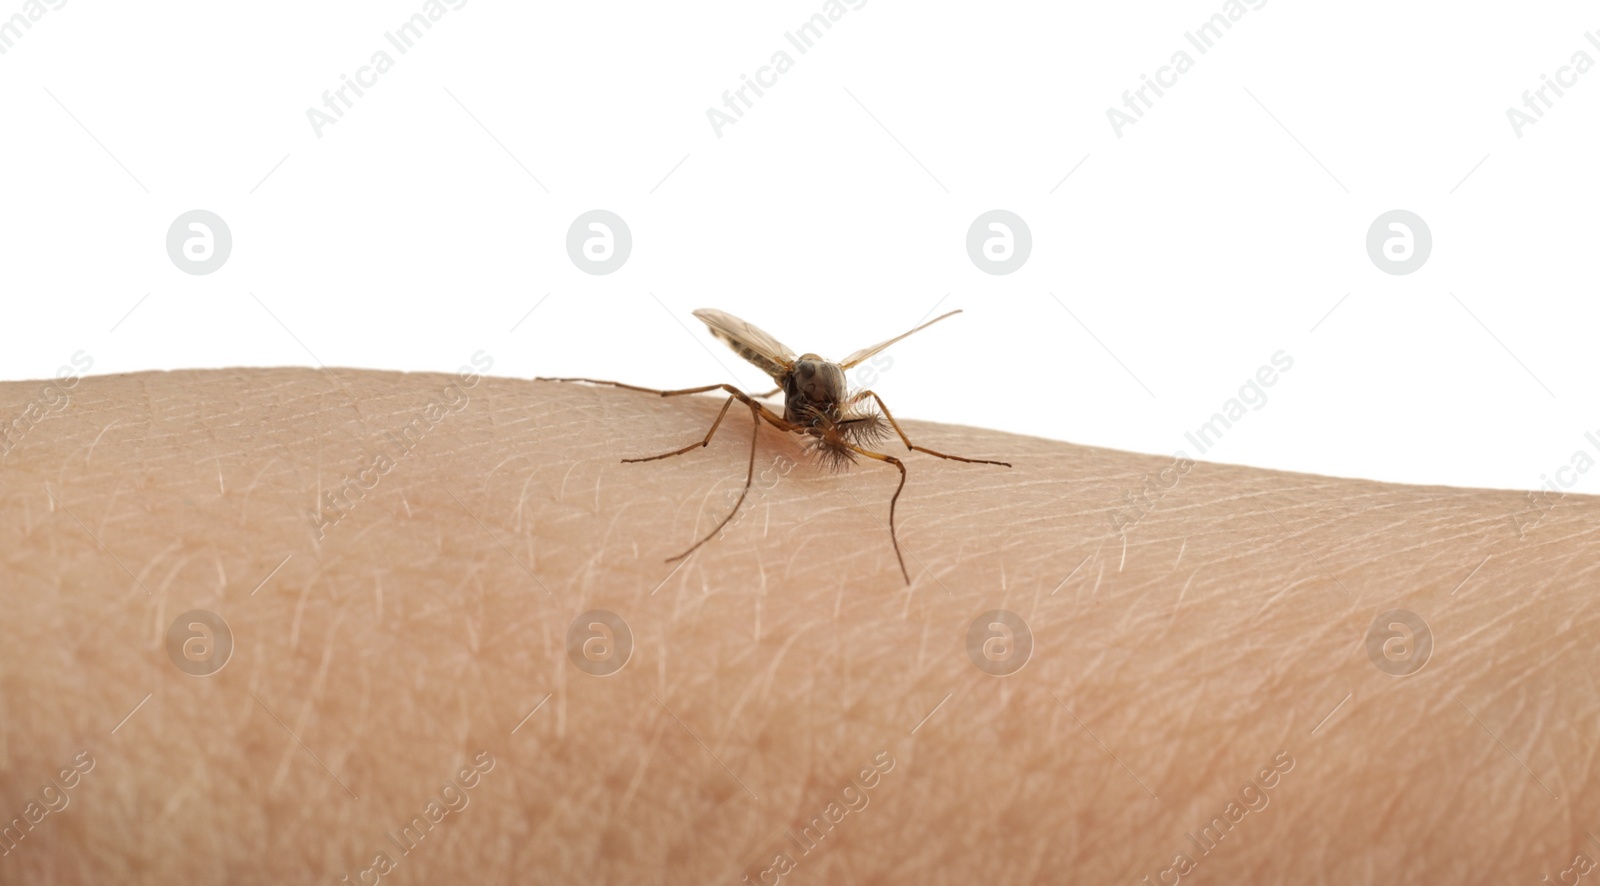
point(784, 664)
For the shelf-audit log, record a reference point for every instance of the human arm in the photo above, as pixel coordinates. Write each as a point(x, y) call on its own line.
point(399, 642)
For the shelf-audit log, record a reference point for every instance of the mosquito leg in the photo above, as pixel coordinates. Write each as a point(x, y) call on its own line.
point(772, 393)
point(706, 442)
point(907, 440)
point(893, 537)
point(749, 476)
point(767, 414)
point(758, 414)
point(761, 411)
point(657, 391)
point(613, 384)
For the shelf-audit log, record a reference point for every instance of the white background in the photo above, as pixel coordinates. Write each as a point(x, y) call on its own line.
point(1220, 228)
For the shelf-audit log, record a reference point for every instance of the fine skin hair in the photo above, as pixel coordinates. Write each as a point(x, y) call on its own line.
point(1199, 653)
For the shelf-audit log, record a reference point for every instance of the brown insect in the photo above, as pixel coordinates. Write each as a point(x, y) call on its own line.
point(838, 425)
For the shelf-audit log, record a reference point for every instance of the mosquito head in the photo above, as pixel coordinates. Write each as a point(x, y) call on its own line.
point(814, 385)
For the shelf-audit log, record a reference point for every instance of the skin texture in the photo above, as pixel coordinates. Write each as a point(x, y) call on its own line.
point(1187, 660)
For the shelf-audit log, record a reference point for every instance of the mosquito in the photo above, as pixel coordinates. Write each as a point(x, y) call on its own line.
point(838, 426)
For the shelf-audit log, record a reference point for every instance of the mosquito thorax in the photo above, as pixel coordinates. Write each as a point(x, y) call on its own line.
point(815, 382)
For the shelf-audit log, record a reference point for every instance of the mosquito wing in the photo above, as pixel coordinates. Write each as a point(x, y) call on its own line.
point(864, 353)
point(760, 348)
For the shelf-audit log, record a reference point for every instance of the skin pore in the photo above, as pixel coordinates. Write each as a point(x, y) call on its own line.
point(1199, 684)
